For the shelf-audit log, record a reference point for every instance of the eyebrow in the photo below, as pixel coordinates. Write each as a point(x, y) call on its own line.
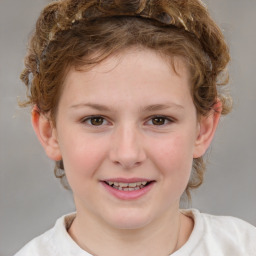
point(92, 105)
point(149, 108)
point(156, 107)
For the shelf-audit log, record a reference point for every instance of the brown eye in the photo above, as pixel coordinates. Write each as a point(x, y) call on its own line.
point(96, 121)
point(158, 120)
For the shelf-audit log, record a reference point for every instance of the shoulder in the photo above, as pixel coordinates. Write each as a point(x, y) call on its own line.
point(231, 227)
point(232, 234)
point(220, 235)
point(39, 246)
point(47, 243)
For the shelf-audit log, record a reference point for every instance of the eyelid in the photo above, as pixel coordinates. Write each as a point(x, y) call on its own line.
point(167, 118)
point(87, 118)
point(149, 119)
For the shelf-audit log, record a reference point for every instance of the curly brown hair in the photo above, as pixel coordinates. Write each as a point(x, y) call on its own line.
point(69, 32)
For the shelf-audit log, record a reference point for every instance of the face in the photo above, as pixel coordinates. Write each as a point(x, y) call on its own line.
point(127, 133)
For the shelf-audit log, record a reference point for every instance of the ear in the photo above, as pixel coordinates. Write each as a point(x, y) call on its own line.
point(207, 128)
point(46, 134)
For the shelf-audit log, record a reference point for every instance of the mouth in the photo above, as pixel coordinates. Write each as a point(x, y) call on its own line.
point(128, 189)
point(132, 186)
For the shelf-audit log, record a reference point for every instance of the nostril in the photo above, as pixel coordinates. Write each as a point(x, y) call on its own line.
point(137, 164)
point(127, 165)
point(116, 162)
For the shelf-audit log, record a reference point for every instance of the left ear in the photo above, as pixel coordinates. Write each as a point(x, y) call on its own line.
point(207, 128)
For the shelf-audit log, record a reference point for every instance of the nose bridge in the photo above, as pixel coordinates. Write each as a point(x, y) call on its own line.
point(127, 146)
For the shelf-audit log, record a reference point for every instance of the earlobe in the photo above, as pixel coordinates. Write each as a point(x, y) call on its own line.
point(207, 128)
point(46, 134)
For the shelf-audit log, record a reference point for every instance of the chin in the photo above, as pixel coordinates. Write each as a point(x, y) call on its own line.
point(129, 220)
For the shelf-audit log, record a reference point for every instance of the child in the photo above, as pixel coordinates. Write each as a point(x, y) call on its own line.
point(125, 99)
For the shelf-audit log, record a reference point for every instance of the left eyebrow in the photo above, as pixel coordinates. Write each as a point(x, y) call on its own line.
point(157, 107)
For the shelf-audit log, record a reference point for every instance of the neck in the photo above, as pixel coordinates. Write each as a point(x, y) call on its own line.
point(161, 237)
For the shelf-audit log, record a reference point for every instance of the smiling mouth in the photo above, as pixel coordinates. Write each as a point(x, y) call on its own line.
point(128, 186)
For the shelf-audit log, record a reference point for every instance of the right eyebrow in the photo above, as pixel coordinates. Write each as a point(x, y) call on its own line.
point(91, 105)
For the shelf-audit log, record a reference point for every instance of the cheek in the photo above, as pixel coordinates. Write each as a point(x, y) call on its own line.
point(82, 156)
point(173, 159)
point(174, 156)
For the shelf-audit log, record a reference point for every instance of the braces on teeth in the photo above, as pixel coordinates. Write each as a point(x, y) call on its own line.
point(127, 186)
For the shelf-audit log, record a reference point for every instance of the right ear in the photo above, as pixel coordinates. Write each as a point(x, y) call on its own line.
point(46, 134)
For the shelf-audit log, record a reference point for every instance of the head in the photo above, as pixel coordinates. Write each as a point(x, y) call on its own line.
point(80, 35)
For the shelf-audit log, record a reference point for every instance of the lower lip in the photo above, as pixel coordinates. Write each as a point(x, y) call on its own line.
point(128, 195)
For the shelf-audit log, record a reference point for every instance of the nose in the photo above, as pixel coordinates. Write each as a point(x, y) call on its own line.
point(127, 147)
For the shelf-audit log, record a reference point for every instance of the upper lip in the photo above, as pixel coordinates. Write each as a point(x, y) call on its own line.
point(128, 180)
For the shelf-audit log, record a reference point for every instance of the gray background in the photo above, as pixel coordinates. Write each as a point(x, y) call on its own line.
point(31, 199)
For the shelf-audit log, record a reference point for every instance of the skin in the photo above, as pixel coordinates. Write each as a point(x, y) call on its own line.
point(128, 92)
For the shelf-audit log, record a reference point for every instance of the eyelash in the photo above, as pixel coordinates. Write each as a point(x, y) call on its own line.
point(88, 120)
point(166, 120)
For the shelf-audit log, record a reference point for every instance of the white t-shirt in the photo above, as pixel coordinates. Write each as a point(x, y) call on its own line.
point(211, 236)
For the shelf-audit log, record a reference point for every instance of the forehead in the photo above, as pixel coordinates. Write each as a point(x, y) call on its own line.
point(130, 57)
point(137, 71)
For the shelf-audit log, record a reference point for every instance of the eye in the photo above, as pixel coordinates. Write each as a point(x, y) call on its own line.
point(95, 120)
point(159, 120)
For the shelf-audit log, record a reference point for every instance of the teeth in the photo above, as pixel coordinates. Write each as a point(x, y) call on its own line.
point(123, 185)
point(127, 186)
